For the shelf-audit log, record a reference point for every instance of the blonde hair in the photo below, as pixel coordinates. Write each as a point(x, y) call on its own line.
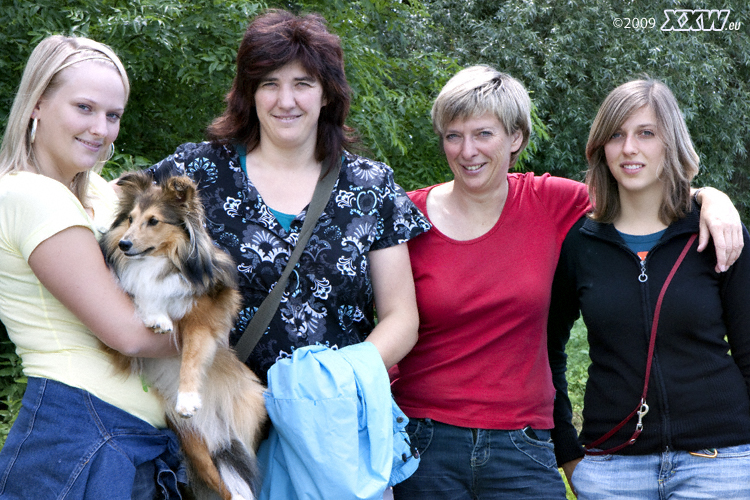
point(680, 164)
point(40, 78)
point(477, 90)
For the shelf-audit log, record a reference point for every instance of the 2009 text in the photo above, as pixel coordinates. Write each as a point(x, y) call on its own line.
point(635, 23)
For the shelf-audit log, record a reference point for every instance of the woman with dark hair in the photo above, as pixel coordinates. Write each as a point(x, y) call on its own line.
point(283, 130)
point(667, 406)
point(284, 127)
point(264, 49)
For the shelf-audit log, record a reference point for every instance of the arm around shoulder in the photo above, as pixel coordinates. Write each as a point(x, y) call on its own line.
point(720, 220)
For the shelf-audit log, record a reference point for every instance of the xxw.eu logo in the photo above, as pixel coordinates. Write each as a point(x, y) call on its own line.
point(698, 20)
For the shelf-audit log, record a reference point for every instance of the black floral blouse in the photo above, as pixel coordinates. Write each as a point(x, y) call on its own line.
point(328, 299)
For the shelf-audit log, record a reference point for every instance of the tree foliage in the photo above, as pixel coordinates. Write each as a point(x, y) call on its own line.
point(395, 78)
point(393, 83)
point(571, 54)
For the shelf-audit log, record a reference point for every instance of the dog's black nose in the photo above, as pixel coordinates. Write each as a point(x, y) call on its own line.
point(125, 245)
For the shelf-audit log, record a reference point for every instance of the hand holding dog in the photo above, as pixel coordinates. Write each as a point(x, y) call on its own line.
point(87, 288)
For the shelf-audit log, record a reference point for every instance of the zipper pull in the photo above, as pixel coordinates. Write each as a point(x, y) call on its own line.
point(643, 277)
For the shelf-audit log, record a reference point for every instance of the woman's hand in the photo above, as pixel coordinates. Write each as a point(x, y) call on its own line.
point(720, 220)
point(568, 468)
point(395, 303)
point(70, 265)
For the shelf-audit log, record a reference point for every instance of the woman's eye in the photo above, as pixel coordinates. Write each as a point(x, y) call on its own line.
point(113, 117)
point(84, 107)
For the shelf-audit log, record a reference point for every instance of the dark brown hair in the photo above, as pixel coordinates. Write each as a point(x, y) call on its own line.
point(271, 41)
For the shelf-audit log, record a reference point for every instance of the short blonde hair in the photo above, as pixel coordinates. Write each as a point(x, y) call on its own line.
point(681, 162)
point(477, 90)
point(40, 78)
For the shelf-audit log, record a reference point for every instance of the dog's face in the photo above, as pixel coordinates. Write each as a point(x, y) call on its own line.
point(153, 219)
point(148, 230)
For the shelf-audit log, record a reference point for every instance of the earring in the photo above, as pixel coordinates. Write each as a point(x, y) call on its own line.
point(32, 137)
point(111, 151)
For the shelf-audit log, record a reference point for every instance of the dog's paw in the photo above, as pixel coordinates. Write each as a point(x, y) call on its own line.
point(159, 323)
point(187, 404)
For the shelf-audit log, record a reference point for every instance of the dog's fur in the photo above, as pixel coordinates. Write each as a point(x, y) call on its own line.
point(164, 258)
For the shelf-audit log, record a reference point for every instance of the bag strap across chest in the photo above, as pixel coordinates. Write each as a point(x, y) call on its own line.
point(262, 318)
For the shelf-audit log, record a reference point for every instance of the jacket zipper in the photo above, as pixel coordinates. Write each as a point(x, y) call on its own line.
point(655, 368)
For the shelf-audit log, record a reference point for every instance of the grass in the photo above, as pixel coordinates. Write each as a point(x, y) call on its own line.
point(578, 364)
point(568, 494)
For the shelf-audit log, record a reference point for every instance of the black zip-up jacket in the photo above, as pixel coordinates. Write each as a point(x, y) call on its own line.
point(699, 390)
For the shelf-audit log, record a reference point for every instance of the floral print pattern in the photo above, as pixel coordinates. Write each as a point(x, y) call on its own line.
point(329, 298)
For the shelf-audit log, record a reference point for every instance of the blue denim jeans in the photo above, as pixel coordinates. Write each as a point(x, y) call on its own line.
point(68, 444)
point(674, 475)
point(458, 463)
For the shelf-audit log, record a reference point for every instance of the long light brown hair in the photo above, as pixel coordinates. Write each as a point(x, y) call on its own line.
point(680, 159)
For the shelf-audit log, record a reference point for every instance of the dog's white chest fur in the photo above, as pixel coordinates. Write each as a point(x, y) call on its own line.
point(160, 293)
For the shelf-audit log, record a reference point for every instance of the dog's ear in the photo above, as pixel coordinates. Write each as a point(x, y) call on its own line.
point(135, 181)
point(132, 186)
point(181, 189)
point(139, 179)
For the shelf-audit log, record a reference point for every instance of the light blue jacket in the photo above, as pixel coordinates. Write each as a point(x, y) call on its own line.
point(337, 433)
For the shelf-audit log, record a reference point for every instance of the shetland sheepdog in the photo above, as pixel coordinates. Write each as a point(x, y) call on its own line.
point(184, 286)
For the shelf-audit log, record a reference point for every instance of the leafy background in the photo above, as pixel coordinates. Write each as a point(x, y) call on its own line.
point(569, 54)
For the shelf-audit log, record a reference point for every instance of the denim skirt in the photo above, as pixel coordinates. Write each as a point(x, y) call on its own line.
point(69, 444)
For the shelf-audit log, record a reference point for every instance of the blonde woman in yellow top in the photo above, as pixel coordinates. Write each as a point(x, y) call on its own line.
point(85, 430)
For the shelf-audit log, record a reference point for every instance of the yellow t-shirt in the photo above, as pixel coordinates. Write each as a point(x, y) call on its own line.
point(51, 342)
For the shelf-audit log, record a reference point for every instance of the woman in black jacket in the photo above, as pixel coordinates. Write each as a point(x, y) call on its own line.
point(688, 435)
